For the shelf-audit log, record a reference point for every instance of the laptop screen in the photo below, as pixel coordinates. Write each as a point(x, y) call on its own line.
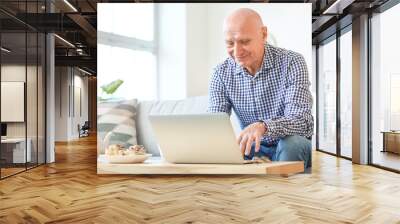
point(3, 129)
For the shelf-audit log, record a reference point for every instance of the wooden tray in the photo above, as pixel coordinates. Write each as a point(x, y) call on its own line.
point(156, 165)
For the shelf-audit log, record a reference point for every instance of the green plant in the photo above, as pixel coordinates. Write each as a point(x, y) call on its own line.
point(111, 87)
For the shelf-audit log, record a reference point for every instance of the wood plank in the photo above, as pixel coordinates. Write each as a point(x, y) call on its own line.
point(158, 166)
point(70, 191)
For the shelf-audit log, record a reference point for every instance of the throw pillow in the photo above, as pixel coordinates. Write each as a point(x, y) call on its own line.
point(117, 117)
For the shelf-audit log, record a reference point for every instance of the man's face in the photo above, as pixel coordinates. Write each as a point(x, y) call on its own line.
point(245, 44)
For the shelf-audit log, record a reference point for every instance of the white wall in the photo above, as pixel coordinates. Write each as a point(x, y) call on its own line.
point(289, 26)
point(61, 103)
point(171, 51)
point(80, 83)
point(33, 127)
point(190, 48)
point(14, 72)
point(197, 50)
point(17, 73)
point(67, 85)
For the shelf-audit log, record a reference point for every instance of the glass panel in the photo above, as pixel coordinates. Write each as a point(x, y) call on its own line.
point(41, 6)
point(31, 87)
point(41, 98)
point(327, 97)
point(313, 92)
point(31, 98)
point(7, 23)
point(346, 94)
point(386, 89)
point(22, 88)
point(13, 86)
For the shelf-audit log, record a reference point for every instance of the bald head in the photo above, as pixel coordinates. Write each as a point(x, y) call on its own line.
point(243, 17)
point(245, 36)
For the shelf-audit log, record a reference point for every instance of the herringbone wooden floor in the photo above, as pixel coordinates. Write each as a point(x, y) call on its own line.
point(70, 191)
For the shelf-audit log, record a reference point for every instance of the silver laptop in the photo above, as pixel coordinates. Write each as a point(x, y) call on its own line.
point(199, 138)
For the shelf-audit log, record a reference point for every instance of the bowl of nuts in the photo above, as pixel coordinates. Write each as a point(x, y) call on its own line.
point(118, 154)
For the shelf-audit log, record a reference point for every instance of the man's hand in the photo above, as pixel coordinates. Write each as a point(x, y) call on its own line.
point(252, 133)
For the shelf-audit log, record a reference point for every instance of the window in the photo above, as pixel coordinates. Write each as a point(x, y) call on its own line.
point(126, 51)
point(346, 94)
point(22, 74)
point(327, 97)
point(385, 87)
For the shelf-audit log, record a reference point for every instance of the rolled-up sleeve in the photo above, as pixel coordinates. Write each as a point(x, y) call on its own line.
point(297, 118)
point(218, 100)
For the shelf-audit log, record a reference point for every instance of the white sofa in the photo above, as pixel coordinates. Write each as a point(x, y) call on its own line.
point(144, 133)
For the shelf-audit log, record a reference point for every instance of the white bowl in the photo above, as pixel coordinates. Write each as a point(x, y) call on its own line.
point(127, 158)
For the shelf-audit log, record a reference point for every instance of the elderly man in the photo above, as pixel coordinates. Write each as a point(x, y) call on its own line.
point(268, 88)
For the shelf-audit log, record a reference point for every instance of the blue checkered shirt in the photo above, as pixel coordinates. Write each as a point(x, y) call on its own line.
point(277, 94)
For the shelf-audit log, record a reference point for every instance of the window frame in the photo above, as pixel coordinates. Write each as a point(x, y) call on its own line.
point(334, 37)
point(136, 44)
point(381, 9)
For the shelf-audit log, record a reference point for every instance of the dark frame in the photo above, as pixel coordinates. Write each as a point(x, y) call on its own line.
point(43, 39)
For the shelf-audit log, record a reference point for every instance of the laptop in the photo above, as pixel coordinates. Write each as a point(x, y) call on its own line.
point(197, 138)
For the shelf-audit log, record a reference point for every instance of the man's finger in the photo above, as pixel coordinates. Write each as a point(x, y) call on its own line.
point(248, 146)
point(257, 148)
point(243, 144)
point(240, 137)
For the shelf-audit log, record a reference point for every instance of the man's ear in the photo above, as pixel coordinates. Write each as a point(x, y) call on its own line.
point(265, 33)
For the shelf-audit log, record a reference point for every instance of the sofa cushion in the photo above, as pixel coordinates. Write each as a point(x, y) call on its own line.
point(117, 117)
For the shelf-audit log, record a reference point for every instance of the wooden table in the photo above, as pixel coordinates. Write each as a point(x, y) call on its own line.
point(15, 149)
point(156, 165)
point(391, 141)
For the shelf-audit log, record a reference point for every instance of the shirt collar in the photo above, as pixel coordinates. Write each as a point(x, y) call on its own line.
point(268, 60)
